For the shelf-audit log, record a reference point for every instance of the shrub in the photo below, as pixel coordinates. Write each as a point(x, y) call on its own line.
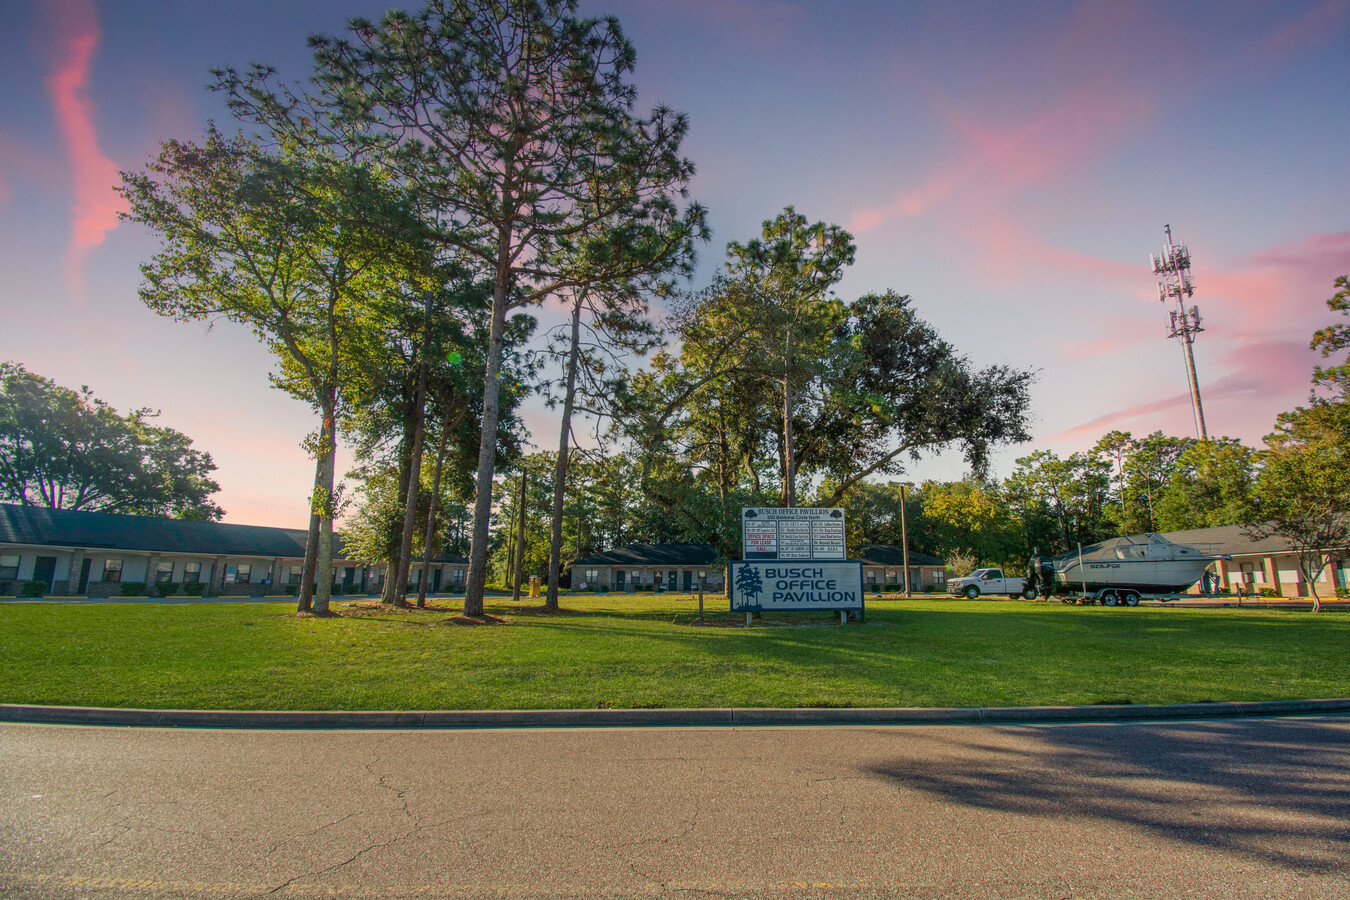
point(167, 588)
point(353, 589)
point(292, 590)
point(1269, 592)
point(132, 589)
point(33, 589)
point(1343, 593)
point(194, 588)
point(604, 589)
point(7, 588)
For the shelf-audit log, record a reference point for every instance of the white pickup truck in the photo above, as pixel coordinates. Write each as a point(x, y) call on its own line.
point(989, 581)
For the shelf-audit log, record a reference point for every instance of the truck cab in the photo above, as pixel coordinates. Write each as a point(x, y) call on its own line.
point(986, 581)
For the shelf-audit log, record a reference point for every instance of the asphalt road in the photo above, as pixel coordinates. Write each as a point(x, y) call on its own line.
point(1231, 809)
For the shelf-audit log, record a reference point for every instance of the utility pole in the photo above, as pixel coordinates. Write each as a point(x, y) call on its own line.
point(904, 530)
point(1174, 283)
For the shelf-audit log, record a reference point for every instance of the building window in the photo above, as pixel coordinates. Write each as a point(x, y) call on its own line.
point(459, 576)
point(9, 565)
point(192, 572)
point(939, 576)
point(164, 574)
point(112, 570)
point(293, 577)
point(245, 573)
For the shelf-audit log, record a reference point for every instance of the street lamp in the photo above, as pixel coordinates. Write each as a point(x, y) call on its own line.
point(904, 530)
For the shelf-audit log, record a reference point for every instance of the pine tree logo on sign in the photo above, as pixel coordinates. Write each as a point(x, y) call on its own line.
point(749, 583)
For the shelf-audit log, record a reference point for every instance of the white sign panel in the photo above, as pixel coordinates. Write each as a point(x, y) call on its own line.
point(773, 584)
point(771, 532)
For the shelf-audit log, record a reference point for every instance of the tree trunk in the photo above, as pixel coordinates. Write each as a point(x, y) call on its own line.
point(560, 470)
point(487, 451)
point(789, 464)
point(323, 563)
point(306, 593)
point(388, 596)
point(415, 467)
point(431, 515)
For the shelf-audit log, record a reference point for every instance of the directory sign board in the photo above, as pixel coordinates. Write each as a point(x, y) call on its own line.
point(756, 586)
point(770, 532)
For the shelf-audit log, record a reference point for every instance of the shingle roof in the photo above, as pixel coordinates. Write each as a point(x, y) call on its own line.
point(887, 555)
point(1231, 539)
point(91, 530)
point(653, 555)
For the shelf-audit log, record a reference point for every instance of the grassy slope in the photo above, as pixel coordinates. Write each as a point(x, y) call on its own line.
point(643, 651)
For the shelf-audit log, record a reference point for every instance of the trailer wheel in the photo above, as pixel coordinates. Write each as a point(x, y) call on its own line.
point(972, 592)
point(1029, 594)
point(1131, 598)
point(1109, 598)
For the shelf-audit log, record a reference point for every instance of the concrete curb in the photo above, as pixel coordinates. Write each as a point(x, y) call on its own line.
point(654, 718)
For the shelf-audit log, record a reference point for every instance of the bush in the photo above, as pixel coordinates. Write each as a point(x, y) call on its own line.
point(132, 589)
point(292, 590)
point(604, 589)
point(194, 588)
point(167, 588)
point(33, 589)
point(1269, 592)
point(353, 589)
point(6, 588)
point(1343, 593)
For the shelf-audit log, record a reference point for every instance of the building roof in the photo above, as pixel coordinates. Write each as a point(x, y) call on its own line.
point(1233, 540)
point(887, 555)
point(77, 529)
point(653, 555)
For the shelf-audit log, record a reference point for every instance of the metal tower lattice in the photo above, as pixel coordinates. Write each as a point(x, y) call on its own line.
point(1174, 283)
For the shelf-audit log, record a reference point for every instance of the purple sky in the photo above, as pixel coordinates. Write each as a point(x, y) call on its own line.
point(1008, 165)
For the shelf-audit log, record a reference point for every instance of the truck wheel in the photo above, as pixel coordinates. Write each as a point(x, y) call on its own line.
point(972, 592)
point(1029, 594)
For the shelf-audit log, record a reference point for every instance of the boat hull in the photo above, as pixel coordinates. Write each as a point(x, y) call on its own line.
point(1147, 576)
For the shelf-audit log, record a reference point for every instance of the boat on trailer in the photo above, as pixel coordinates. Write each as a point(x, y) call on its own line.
point(1124, 568)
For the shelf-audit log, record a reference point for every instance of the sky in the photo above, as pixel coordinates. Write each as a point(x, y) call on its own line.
point(1010, 166)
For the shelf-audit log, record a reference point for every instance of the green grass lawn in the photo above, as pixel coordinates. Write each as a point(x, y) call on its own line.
point(648, 651)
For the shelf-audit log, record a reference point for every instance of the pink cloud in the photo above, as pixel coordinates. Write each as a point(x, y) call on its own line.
point(1279, 289)
point(995, 160)
point(1121, 334)
point(762, 23)
point(93, 175)
point(1316, 27)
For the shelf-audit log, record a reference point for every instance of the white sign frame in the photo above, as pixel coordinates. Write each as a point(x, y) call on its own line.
point(802, 533)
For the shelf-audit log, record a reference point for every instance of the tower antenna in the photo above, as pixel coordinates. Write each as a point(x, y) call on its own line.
point(1174, 283)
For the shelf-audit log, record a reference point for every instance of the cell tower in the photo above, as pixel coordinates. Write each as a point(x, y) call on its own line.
point(1174, 283)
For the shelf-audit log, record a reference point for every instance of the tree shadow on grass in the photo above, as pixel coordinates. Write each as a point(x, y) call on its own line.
point(1277, 791)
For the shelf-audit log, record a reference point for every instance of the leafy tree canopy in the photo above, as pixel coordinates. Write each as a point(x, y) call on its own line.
point(69, 450)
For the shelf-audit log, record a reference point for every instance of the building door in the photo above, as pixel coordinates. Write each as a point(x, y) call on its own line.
point(688, 580)
point(84, 576)
point(349, 576)
point(619, 576)
point(44, 570)
point(436, 582)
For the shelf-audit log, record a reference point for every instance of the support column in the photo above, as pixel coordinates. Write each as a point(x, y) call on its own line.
point(217, 581)
point(152, 575)
point(73, 578)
